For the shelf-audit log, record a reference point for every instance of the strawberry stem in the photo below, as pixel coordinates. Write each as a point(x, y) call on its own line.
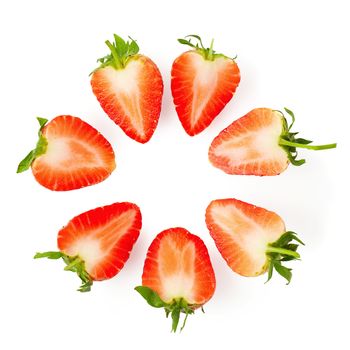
point(174, 308)
point(121, 52)
point(282, 251)
point(290, 142)
point(284, 142)
point(210, 52)
point(74, 264)
point(117, 62)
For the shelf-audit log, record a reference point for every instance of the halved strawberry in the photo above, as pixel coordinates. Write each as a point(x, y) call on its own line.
point(129, 88)
point(202, 83)
point(177, 274)
point(259, 143)
point(96, 244)
point(251, 239)
point(70, 154)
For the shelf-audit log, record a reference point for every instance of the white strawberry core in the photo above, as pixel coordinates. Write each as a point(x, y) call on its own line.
point(204, 84)
point(124, 84)
point(62, 153)
point(254, 146)
point(180, 282)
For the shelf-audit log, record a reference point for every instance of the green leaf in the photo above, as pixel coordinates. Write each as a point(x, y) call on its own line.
point(26, 162)
point(120, 53)
point(175, 315)
point(42, 122)
point(270, 272)
point(297, 162)
point(120, 45)
point(207, 52)
point(302, 141)
point(40, 148)
point(74, 264)
point(283, 271)
point(85, 287)
point(151, 296)
point(185, 42)
point(49, 255)
point(292, 116)
point(133, 47)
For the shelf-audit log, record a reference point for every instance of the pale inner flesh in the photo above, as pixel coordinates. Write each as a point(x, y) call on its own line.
point(176, 270)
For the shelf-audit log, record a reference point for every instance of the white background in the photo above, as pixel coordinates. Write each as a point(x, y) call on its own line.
point(291, 54)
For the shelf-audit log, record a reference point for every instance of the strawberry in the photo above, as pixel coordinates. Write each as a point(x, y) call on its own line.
point(202, 83)
point(69, 154)
point(129, 88)
point(252, 240)
point(177, 274)
point(259, 143)
point(96, 244)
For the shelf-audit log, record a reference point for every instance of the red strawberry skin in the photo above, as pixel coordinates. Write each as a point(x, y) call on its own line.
point(242, 232)
point(132, 96)
point(178, 266)
point(77, 155)
point(201, 88)
point(103, 238)
point(250, 145)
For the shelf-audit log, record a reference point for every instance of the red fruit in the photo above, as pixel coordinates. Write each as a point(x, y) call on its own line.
point(259, 143)
point(202, 83)
point(129, 88)
point(251, 239)
point(70, 154)
point(96, 244)
point(177, 274)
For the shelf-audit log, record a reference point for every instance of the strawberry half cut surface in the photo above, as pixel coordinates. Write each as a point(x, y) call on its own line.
point(177, 275)
point(96, 244)
point(259, 143)
point(129, 88)
point(251, 239)
point(202, 83)
point(69, 154)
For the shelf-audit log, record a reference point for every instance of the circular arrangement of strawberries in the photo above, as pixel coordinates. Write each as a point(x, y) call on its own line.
point(178, 275)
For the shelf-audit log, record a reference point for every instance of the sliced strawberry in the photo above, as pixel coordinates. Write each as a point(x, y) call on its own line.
point(177, 274)
point(96, 244)
point(202, 83)
point(259, 143)
point(70, 154)
point(251, 239)
point(129, 88)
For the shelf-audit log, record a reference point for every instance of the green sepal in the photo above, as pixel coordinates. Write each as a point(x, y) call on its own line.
point(39, 149)
point(289, 142)
point(174, 308)
point(284, 249)
point(151, 296)
point(121, 52)
point(74, 264)
point(208, 53)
